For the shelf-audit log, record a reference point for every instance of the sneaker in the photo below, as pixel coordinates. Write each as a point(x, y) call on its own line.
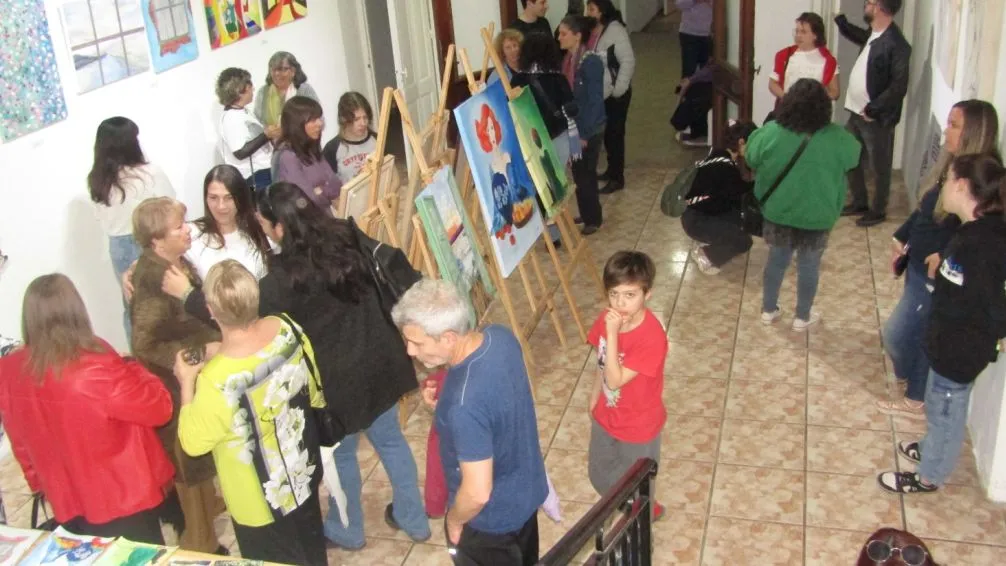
point(853, 210)
point(692, 141)
point(389, 518)
point(871, 219)
point(703, 263)
point(903, 408)
point(910, 450)
point(904, 482)
point(800, 325)
point(770, 317)
point(589, 229)
point(612, 187)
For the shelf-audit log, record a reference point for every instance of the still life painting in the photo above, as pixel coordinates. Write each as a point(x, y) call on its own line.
point(64, 548)
point(32, 94)
point(170, 33)
point(229, 21)
point(548, 173)
point(505, 190)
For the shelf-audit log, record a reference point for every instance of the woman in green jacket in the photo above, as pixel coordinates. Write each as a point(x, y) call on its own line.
point(801, 212)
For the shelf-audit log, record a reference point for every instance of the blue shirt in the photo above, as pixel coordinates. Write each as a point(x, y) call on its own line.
point(485, 410)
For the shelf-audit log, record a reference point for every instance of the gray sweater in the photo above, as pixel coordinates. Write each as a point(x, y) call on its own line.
point(615, 35)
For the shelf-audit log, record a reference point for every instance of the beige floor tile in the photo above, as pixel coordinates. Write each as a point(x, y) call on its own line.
point(849, 450)
point(775, 364)
point(767, 444)
point(555, 386)
point(695, 396)
point(550, 532)
point(845, 336)
point(379, 552)
point(549, 418)
point(696, 299)
point(758, 494)
point(690, 438)
point(844, 369)
point(428, 555)
point(688, 359)
point(767, 401)
point(568, 471)
point(734, 541)
point(946, 552)
point(851, 502)
point(677, 539)
point(574, 430)
point(752, 334)
point(956, 513)
point(683, 485)
point(851, 407)
point(826, 547)
point(584, 386)
point(547, 353)
point(702, 327)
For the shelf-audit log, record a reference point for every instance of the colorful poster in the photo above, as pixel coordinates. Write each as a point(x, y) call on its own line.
point(450, 236)
point(505, 190)
point(229, 21)
point(106, 41)
point(14, 543)
point(279, 12)
point(170, 33)
point(31, 96)
point(548, 173)
point(63, 548)
point(125, 552)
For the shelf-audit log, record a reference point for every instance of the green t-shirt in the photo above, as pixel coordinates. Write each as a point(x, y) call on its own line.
point(812, 195)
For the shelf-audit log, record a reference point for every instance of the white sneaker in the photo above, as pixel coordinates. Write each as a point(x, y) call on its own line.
point(770, 317)
point(800, 325)
point(703, 263)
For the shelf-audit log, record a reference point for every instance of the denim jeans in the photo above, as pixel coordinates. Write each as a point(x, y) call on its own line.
point(124, 252)
point(878, 149)
point(946, 425)
point(904, 332)
point(808, 270)
point(388, 441)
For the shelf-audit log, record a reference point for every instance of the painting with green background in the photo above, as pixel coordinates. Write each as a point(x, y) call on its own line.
point(548, 174)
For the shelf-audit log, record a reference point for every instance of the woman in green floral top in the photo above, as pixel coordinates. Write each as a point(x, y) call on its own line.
point(250, 405)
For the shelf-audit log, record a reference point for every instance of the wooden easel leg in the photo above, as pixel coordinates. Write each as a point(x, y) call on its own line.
point(548, 294)
point(504, 296)
point(564, 281)
point(567, 228)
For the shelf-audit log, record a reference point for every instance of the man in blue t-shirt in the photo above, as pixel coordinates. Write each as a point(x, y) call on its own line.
point(488, 429)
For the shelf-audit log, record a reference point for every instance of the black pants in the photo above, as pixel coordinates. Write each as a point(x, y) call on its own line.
point(695, 50)
point(519, 548)
point(693, 110)
point(878, 147)
point(617, 112)
point(585, 177)
point(723, 234)
point(297, 538)
point(144, 526)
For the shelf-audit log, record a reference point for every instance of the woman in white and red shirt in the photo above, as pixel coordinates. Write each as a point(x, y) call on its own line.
point(808, 58)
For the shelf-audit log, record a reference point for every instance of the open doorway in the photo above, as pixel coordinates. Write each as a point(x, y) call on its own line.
point(383, 68)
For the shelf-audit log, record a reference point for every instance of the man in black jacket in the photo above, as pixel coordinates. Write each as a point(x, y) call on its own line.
point(874, 98)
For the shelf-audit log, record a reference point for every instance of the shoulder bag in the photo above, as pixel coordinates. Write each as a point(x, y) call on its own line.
point(390, 269)
point(325, 424)
point(751, 206)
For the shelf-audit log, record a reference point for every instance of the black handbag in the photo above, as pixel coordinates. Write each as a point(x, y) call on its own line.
point(389, 268)
point(328, 429)
point(752, 219)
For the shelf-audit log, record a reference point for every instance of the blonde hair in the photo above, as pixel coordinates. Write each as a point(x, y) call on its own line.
point(55, 326)
point(232, 294)
point(152, 219)
point(507, 34)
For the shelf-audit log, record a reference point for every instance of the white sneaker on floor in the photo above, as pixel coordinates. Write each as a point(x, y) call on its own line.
point(800, 325)
point(770, 317)
point(703, 263)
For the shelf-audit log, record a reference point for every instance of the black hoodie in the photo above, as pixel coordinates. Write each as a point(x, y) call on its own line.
point(969, 301)
point(718, 185)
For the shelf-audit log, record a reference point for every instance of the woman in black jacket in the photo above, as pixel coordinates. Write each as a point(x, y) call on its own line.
point(713, 216)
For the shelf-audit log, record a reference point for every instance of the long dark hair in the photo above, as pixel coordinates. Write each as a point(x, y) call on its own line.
point(116, 146)
point(609, 13)
point(318, 253)
point(297, 112)
point(805, 108)
point(986, 179)
point(231, 179)
point(579, 25)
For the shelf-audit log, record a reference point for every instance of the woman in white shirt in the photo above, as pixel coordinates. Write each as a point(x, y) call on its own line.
point(120, 179)
point(228, 229)
point(807, 58)
point(244, 142)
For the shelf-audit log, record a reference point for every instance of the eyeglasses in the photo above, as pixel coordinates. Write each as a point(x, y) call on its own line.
point(282, 69)
point(881, 551)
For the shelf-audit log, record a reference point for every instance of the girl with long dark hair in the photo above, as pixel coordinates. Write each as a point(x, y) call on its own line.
point(298, 159)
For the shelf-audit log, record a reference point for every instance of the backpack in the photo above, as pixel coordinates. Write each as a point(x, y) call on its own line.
point(673, 200)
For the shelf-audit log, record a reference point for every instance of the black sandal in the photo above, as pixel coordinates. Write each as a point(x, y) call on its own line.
point(904, 482)
point(910, 450)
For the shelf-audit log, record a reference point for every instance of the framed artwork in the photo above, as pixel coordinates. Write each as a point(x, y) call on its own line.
point(170, 33)
point(31, 96)
point(946, 36)
point(228, 21)
point(505, 190)
point(279, 12)
point(14, 543)
point(106, 40)
point(64, 547)
point(450, 236)
point(548, 174)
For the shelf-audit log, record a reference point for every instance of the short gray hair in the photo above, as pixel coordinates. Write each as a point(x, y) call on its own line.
point(435, 306)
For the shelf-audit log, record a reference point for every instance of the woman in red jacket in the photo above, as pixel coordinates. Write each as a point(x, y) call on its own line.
point(81, 419)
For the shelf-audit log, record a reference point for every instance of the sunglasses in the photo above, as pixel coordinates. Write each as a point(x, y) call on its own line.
point(881, 551)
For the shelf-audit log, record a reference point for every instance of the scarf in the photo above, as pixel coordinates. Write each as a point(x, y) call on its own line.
point(273, 105)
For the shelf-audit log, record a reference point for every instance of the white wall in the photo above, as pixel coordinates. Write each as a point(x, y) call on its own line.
point(773, 31)
point(46, 221)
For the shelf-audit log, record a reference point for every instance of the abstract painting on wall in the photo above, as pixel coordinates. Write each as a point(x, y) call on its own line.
point(170, 33)
point(31, 96)
point(505, 190)
point(229, 21)
point(548, 173)
point(106, 40)
point(451, 239)
point(279, 12)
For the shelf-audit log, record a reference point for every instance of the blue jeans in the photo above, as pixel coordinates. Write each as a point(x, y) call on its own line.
point(808, 270)
point(946, 425)
point(904, 332)
point(388, 441)
point(124, 252)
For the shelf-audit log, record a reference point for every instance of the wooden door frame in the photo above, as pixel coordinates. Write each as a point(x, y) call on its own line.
point(732, 84)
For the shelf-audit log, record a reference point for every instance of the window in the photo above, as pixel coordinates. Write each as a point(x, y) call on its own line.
point(172, 22)
point(106, 39)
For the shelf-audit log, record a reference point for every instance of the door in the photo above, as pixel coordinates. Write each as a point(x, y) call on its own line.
point(733, 57)
point(417, 67)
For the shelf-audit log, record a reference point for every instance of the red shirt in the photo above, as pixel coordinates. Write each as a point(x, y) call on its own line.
point(635, 412)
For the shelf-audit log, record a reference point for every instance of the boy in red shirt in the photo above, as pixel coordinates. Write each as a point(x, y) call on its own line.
point(626, 403)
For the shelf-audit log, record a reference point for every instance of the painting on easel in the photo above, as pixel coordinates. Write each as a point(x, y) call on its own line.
point(449, 233)
point(506, 192)
point(549, 175)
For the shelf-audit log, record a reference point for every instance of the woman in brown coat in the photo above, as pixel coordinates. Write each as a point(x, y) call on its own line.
point(161, 328)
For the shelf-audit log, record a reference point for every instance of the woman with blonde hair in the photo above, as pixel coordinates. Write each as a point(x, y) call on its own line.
point(81, 419)
point(972, 128)
point(508, 43)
